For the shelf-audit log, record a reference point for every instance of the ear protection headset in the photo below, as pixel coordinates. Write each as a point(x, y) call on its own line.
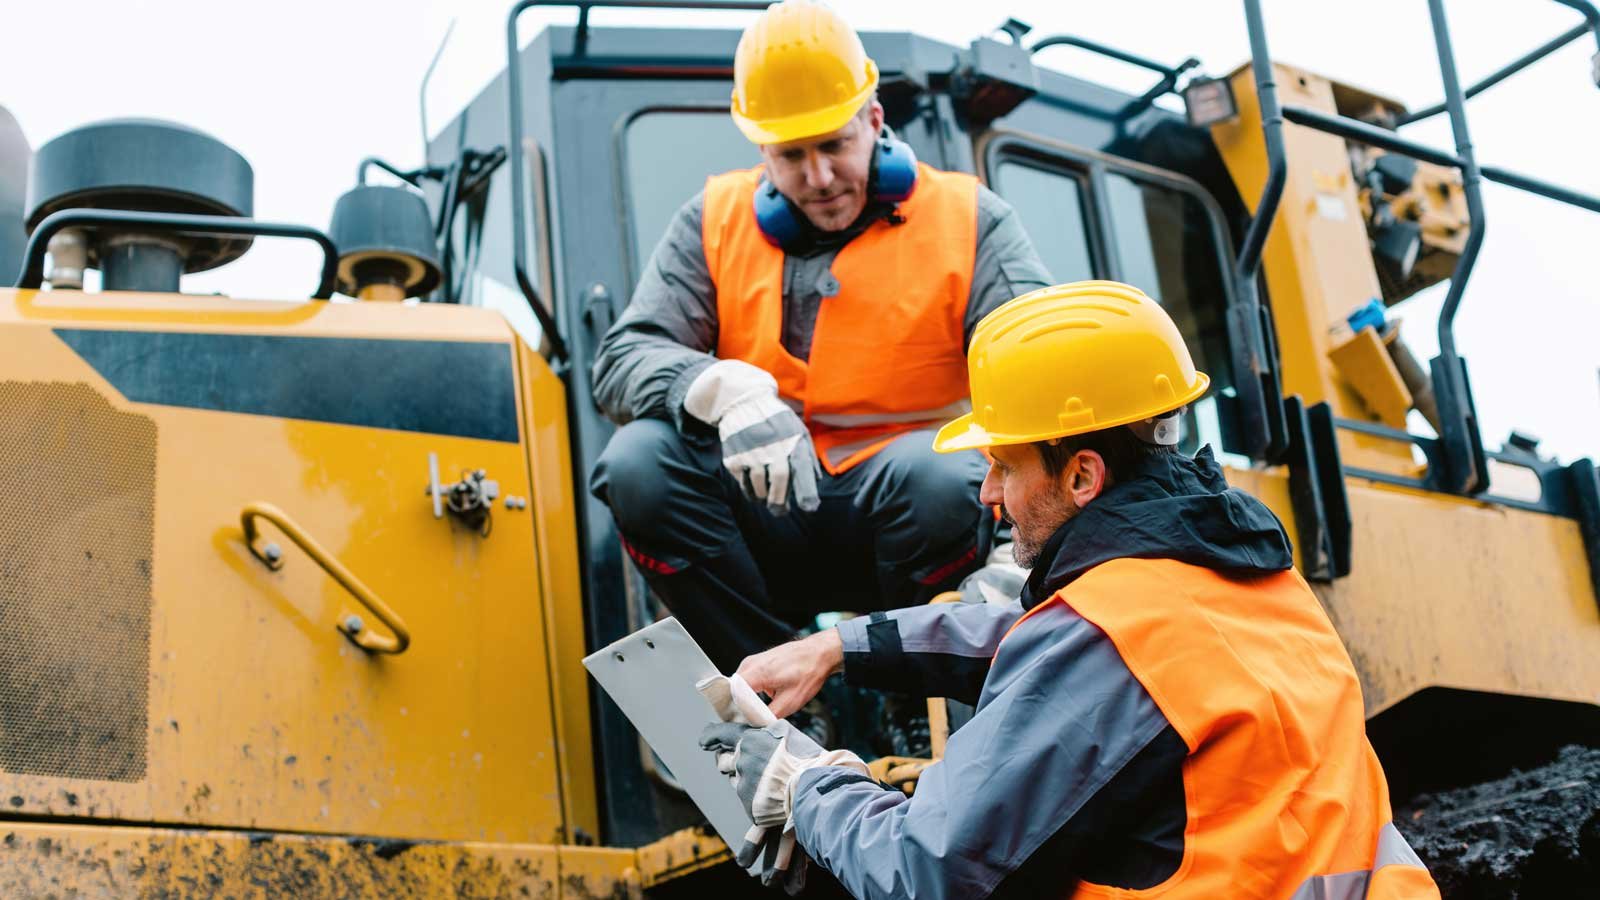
point(895, 174)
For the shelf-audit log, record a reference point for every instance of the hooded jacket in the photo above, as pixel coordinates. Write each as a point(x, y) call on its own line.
point(1071, 776)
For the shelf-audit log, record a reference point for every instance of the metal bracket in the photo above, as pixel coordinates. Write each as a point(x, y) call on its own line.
point(1464, 468)
point(1258, 393)
point(1317, 491)
point(470, 500)
point(434, 489)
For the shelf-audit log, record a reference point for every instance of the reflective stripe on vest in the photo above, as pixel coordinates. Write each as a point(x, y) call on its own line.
point(888, 351)
point(1392, 851)
point(917, 416)
point(1284, 796)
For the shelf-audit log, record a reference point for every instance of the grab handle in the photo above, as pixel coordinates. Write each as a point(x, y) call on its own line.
point(351, 625)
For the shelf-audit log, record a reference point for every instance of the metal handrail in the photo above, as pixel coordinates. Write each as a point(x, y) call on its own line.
point(519, 250)
point(1465, 468)
point(434, 173)
point(1072, 40)
point(1461, 453)
point(350, 626)
point(1501, 74)
point(1259, 387)
point(1169, 74)
point(32, 275)
point(1383, 139)
point(1248, 262)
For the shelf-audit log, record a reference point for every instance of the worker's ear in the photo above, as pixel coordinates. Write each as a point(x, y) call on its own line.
point(875, 117)
point(1086, 477)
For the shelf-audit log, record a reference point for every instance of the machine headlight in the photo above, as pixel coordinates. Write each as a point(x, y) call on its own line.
point(1209, 101)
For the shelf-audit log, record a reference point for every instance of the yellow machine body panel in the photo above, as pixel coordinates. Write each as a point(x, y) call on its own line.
point(156, 671)
point(1450, 592)
point(550, 457)
point(41, 860)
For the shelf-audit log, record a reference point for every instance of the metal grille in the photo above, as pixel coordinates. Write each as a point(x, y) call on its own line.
point(77, 494)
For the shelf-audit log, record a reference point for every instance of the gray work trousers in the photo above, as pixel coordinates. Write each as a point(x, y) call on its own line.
point(892, 531)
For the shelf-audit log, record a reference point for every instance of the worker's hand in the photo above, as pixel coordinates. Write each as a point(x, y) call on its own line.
point(782, 860)
point(765, 446)
point(735, 702)
point(763, 763)
point(791, 674)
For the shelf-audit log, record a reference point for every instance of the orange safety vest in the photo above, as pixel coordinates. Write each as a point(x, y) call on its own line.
point(1286, 799)
point(888, 354)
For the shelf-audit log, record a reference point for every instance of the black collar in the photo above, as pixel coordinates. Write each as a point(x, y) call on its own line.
point(1173, 507)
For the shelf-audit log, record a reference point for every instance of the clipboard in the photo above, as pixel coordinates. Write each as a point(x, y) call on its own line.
point(651, 676)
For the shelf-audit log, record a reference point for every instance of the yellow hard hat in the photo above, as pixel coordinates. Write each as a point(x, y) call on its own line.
point(800, 71)
point(1070, 359)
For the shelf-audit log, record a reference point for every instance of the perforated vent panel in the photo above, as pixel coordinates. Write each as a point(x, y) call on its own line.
point(77, 494)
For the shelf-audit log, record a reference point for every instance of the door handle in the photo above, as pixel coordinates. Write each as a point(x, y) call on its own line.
point(351, 626)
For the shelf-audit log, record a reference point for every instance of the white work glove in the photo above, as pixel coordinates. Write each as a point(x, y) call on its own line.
point(762, 755)
point(742, 710)
point(765, 446)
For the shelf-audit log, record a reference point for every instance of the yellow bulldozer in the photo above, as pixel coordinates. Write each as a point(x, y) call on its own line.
point(294, 594)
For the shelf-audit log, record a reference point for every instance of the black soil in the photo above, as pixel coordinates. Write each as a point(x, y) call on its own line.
point(1531, 835)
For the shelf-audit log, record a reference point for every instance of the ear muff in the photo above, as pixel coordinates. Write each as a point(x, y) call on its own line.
point(897, 171)
point(775, 217)
point(895, 176)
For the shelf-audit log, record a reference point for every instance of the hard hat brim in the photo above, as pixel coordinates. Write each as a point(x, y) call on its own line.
point(964, 433)
point(812, 124)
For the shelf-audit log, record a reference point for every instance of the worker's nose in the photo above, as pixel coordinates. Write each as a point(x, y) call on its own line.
point(992, 493)
point(819, 171)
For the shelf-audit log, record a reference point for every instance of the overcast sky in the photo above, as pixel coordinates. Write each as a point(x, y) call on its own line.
point(306, 89)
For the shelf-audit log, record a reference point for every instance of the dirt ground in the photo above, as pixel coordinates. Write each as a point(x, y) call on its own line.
point(1534, 834)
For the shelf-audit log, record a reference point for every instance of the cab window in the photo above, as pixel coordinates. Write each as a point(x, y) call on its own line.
point(1094, 216)
point(1050, 204)
point(667, 155)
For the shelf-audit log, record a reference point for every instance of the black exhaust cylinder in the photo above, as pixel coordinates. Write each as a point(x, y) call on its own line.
point(143, 165)
point(131, 264)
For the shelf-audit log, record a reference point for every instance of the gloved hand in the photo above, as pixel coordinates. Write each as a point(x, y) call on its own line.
point(763, 763)
point(765, 446)
point(782, 862)
point(735, 701)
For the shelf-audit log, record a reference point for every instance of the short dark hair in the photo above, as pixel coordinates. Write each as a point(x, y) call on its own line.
point(1122, 450)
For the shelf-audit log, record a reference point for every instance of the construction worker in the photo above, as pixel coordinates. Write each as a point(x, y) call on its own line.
point(1166, 708)
point(798, 333)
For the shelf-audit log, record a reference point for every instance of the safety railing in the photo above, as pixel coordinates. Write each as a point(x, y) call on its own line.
point(32, 275)
point(1590, 25)
point(1169, 74)
point(1460, 458)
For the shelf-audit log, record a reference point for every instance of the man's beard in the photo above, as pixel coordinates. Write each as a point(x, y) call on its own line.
point(1050, 513)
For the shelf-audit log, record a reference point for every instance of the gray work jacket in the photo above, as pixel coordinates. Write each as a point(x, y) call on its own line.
point(1065, 741)
point(1068, 771)
point(668, 333)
